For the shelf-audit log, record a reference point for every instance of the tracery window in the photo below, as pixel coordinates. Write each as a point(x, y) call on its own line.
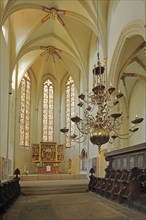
point(70, 108)
point(48, 111)
point(25, 100)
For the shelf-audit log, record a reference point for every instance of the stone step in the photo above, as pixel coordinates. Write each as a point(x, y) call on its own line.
point(42, 177)
point(56, 189)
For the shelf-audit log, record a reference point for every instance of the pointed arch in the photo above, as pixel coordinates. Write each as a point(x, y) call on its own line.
point(70, 108)
point(25, 107)
point(48, 111)
point(134, 28)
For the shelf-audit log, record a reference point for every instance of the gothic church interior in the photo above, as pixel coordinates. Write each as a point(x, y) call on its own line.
point(60, 59)
point(48, 50)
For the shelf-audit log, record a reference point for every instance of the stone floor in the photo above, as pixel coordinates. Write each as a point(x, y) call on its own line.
point(75, 206)
point(54, 182)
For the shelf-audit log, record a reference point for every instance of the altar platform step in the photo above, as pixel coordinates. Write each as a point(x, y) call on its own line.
point(53, 187)
point(42, 177)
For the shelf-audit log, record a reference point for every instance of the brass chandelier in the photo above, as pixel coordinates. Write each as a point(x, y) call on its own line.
point(98, 122)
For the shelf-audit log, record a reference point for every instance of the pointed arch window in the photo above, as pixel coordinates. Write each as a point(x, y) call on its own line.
point(25, 100)
point(70, 108)
point(48, 111)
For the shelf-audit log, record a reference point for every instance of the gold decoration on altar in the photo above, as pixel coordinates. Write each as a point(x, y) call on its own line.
point(47, 152)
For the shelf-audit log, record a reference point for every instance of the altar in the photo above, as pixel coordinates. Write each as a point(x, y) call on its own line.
point(47, 168)
point(48, 156)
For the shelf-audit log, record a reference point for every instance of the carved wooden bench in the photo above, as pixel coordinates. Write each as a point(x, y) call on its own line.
point(98, 185)
point(129, 190)
point(9, 191)
point(103, 186)
point(109, 187)
point(92, 183)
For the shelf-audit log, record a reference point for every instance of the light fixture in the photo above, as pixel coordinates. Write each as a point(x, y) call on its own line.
point(101, 122)
point(73, 137)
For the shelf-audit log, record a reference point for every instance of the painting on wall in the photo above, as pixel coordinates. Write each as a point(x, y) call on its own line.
point(35, 153)
point(60, 153)
point(47, 152)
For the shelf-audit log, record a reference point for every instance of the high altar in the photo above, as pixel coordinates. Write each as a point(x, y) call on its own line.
point(48, 157)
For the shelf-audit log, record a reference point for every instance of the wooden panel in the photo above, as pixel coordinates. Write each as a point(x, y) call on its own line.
point(60, 153)
point(35, 153)
point(48, 152)
point(119, 163)
point(125, 163)
point(131, 159)
point(127, 158)
point(140, 161)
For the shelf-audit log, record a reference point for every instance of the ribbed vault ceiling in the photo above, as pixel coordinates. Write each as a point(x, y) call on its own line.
point(53, 37)
point(58, 37)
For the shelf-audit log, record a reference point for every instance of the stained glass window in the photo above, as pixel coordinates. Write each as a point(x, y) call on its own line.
point(25, 111)
point(70, 108)
point(48, 111)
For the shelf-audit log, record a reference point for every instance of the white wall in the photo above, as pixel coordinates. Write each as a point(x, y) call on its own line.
point(4, 94)
point(120, 14)
point(137, 106)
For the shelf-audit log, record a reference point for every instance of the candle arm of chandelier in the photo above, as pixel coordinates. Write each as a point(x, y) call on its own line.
point(82, 129)
point(64, 130)
point(120, 136)
point(111, 105)
point(89, 108)
point(78, 139)
point(112, 125)
point(88, 115)
point(130, 132)
point(114, 137)
point(123, 136)
point(91, 101)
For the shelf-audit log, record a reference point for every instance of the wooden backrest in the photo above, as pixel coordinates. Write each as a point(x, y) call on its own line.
point(134, 173)
point(112, 174)
point(124, 175)
point(118, 174)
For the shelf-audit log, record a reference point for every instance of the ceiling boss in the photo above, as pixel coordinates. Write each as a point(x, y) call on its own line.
point(53, 14)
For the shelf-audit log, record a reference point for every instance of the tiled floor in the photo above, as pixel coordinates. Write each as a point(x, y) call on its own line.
point(75, 206)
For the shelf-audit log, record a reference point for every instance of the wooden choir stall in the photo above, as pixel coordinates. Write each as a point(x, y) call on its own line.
point(125, 177)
